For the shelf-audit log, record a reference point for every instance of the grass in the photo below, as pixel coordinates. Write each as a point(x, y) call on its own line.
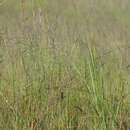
point(63, 65)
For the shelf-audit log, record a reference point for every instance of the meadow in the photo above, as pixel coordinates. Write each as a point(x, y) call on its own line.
point(64, 65)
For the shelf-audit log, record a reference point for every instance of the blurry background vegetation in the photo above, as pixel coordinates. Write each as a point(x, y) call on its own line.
point(63, 64)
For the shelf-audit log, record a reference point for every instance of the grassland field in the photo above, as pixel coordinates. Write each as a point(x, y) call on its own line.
point(64, 65)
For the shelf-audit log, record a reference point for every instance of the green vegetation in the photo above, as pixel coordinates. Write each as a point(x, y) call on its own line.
point(63, 65)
